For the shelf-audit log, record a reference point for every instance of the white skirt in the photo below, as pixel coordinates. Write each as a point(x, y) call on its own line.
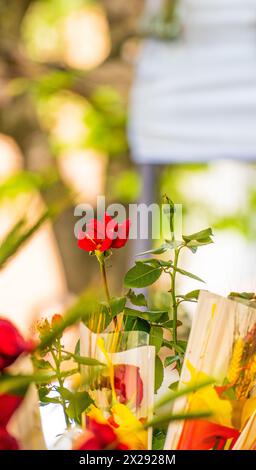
point(195, 99)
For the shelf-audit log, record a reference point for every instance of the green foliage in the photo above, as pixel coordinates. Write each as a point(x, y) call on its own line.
point(74, 403)
point(26, 182)
point(117, 305)
point(156, 337)
point(106, 123)
point(137, 299)
point(169, 360)
point(78, 402)
point(243, 295)
point(159, 437)
point(126, 187)
point(51, 83)
point(142, 275)
point(148, 270)
point(43, 20)
point(18, 384)
point(17, 236)
point(159, 373)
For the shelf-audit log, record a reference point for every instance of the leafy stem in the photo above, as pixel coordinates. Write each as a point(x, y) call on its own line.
point(175, 302)
point(57, 361)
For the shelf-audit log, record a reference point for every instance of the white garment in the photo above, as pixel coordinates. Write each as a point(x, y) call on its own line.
point(194, 99)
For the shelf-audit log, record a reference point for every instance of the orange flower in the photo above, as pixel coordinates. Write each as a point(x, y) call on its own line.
point(204, 435)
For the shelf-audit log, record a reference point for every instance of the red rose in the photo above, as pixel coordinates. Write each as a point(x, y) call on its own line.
point(12, 344)
point(204, 435)
point(7, 442)
point(128, 383)
point(99, 436)
point(104, 235)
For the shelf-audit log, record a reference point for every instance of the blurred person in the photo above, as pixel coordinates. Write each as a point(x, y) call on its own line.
point(194, 96)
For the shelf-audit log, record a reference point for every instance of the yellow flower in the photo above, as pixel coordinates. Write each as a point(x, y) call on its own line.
point(129, 429)
point(207, 399)
point(96, 413)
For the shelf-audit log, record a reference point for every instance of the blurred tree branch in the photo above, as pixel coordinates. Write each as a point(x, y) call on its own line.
point(122, 17)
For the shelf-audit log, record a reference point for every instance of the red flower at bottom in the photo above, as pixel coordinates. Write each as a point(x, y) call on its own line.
point(204, 435)
point(8, 404)
point(99, 436)
point(7, 442)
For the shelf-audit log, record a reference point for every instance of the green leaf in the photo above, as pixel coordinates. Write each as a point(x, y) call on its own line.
point(159, 438)
point(41, 363)
point(159, 373)
point(26, 182)
point(170, 417)
point(156, 251)
point(53, 400)
point(117, 305)
point(183, 345)
point(138, 300)
point(17, 236)
point(169, 324)
point(170, 397)
point(171, 359)
point(136, 324)
point(17, 384)
point(197, 243)
point(243, 295)
point(149, 315)
point(156, 337)
point(174, 386)
point(199, 236)
point(193, 295)
point(151, 261)
point(142, 275)
point(77, 348)
point(188, 274)
point(170, 344)
point(43, 392)
point(78, 404)
point(65, 393)
point(87, 361)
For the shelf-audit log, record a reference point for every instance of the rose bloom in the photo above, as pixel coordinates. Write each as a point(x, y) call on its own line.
point(104, 235)
point(128, 383)
point(12, 344)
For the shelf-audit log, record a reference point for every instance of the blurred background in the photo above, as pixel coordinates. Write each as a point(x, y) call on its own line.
point(67, 71)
